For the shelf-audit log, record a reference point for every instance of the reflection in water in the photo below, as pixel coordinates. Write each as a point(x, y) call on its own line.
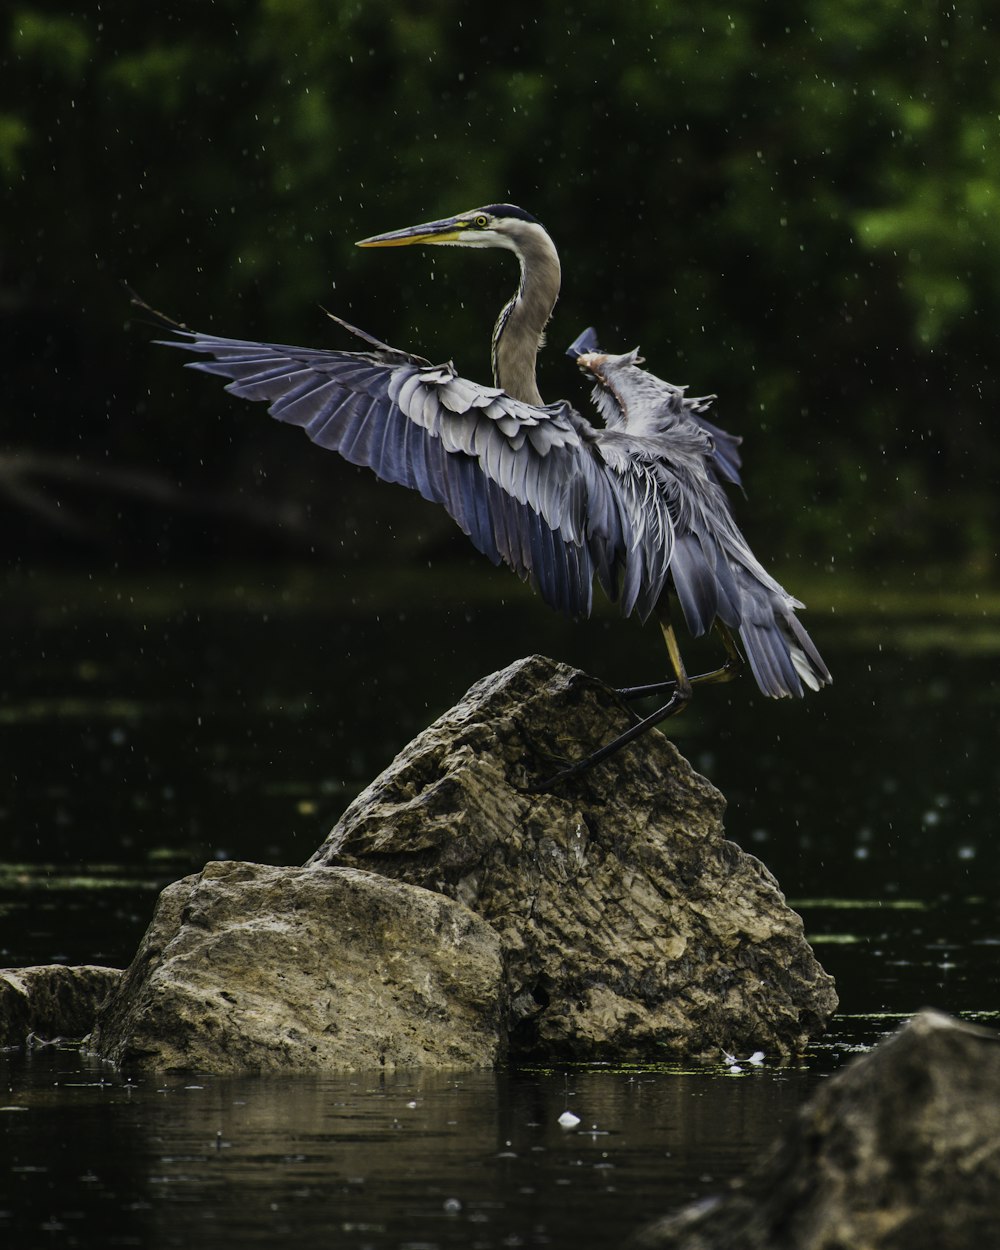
point(370, 1160)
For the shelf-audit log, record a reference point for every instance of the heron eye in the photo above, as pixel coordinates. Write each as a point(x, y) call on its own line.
point(482, 221)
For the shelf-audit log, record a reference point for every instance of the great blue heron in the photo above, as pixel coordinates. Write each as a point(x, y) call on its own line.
point(639, 502)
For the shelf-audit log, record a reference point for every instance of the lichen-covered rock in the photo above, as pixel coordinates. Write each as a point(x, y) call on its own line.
point(900, 1151)
point(52, 1001)
point(247, 967)
point(630, 926)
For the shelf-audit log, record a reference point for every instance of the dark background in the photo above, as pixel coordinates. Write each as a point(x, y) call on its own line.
point(793, 205)
point(214, 635)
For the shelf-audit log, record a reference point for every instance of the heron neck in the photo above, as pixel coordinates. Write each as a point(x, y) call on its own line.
point(519, 330)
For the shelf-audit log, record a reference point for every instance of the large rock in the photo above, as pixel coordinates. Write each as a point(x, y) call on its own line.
point(247, 967)
point(52, 1002)
point(901, 1151)
point(630, 926)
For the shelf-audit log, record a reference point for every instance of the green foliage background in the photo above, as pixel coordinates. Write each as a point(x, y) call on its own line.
point(791, 204)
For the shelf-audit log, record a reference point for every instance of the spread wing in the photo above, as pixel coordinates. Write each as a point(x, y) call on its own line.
point(527, 484)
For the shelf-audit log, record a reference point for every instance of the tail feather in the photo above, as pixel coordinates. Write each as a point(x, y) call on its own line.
point(782, 656)
point(770, 660)
point(713, 584)
point(807, 660)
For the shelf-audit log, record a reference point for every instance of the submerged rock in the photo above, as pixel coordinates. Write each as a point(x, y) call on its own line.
point(897, 1152)
point(52, 1002)
point(247, 967)
point(629, 925)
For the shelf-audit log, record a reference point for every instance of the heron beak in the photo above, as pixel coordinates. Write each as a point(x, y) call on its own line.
point(447, 230)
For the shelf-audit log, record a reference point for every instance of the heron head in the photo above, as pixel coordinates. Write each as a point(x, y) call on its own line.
point(495, 225)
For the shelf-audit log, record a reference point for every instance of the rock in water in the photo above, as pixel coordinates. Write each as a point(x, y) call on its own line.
point(52, 1002)
point(897, 1152)
point(450, 906)
point(247, 967)
point(629, 925)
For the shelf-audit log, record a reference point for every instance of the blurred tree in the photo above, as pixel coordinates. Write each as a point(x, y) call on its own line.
point(791, 204)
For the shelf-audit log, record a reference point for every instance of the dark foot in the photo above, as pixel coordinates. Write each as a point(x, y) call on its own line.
point(641, 692)
point(678, 702)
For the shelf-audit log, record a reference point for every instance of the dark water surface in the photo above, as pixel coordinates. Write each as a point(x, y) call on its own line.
point(146, 728)
point(406, 1160)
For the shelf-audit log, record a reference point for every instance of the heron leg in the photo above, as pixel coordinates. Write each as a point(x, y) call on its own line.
point(726, 672)
point(679, 699)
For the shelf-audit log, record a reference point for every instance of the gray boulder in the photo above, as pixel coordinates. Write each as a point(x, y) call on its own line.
point(247, 967)
point(901, 1151)
point(52, 1002)
point(629, 925)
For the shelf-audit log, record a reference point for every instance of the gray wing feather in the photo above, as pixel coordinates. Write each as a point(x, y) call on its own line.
point(717, 576)
point(767, 645)
point(695, 583)
point(641, 528)
point(524, 483)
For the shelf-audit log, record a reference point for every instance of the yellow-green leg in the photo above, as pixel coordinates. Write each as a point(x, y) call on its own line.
point(729, 670)
point(680, 685)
